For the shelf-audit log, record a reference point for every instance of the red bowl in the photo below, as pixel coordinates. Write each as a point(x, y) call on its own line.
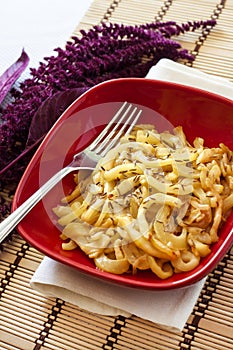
point(164, 104)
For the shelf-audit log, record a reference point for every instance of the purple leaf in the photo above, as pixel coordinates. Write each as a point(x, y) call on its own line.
point(22, 155)
point(49, 112)
point(43, 120)
point(9, 77)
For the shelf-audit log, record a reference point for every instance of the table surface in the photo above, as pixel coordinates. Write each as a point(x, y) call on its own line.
point(28, 320)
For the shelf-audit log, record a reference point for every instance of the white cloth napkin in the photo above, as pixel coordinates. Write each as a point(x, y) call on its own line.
point(167, 308)
point(169, 70)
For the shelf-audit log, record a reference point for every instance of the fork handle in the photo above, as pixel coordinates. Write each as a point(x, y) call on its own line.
point(7, 225)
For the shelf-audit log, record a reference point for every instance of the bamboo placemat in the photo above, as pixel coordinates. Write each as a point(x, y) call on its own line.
point(29, 321)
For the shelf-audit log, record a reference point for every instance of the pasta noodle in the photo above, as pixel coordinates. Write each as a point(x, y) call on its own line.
point(153, 202)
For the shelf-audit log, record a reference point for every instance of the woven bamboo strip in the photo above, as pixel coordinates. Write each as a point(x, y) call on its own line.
point(122, 345)
point(225, 301)
point(92, 326)
point(212, 330)
point(25, 311)
point(219, 299)
point(4, 265)
point(143, 11)
point(24, 325)
point(4, 346)
point(23, 274)
point(147, 328)
point(221, 315)
point(225, 286)
point(126, 341)
point(135, 331)
point(80, 316)
point(187, 14)
point(154, 338)
point(216, 328)
point(36, 309)
point(211, 58)
point(33, 253)
point(23, 333)
point(53, 345)
point(21, 316)
point(29, 264)
point(75, 333)
point(20, 290)
point(16, 240)
point(132, 12)
point(202, 346)
point(132, 344)
point(225, 283)
point(32, 296)
point(14, 245)
point(217, 319)
point(224, 289)
point(214, 45)
point(222, 30)
point(221, 309)
point(77, 336)
point(9, 258)
point(221, 68)
point(84, 342)
point(74, 326)
point(229, 268)
point(11, 247)
point(10, 341)
point(206, 341)
point(221, 294)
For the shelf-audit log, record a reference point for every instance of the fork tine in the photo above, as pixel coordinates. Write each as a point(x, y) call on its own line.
point(120, 121)
point(104, 132)
point(128, 121)
point(107, 137)
point(109, 143)
point(116, 139)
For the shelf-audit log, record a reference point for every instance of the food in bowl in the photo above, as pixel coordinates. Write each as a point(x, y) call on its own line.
point(199, 112)
point(155, 202)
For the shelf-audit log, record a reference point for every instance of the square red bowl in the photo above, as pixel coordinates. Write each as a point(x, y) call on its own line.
point(165, 105)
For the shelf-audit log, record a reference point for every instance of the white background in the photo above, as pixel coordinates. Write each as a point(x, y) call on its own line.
point(37, 26)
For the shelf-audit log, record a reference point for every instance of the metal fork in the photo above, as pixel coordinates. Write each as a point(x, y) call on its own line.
point(122, 123)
